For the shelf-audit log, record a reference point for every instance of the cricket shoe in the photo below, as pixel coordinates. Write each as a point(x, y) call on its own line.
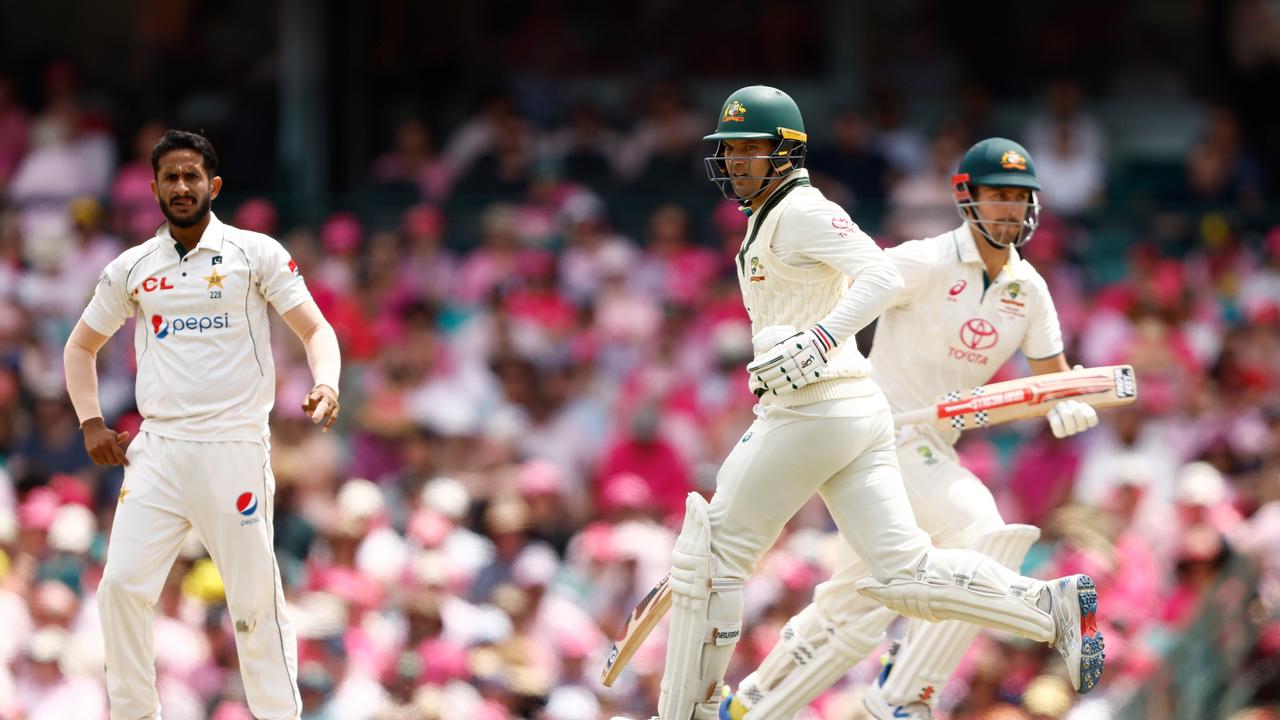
point(880, 708)
point(1074, 606)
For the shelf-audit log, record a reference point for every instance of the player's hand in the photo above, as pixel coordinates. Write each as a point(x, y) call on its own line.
point(1070, 417)
point(792, 363)
point(322, 405)
point(105, 446)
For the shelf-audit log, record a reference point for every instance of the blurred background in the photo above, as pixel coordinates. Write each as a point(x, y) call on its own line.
point(502, 210)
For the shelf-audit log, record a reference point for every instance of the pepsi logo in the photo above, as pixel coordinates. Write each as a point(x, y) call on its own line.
point(247, 504)
point(978, 334)
point(159, 327)
point(957, 288)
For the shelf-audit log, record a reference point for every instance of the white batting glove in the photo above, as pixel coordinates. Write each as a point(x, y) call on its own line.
point(792, 363)
point(1070, 417)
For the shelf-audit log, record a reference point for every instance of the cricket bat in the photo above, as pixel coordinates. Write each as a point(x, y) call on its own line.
point(1100, 387)
point(644, 618)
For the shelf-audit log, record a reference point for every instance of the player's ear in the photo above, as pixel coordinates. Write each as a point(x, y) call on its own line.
point(155, 191)
point(215, 185)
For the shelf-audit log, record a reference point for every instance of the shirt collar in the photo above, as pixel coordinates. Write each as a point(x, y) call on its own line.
point(967, 250)
point(210, 239)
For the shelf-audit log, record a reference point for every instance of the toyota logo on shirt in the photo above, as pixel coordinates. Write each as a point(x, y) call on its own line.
point(978, 334)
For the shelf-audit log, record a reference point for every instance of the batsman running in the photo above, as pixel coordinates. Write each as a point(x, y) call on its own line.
point(823, 426)
point(206, 383)
point(969, 303)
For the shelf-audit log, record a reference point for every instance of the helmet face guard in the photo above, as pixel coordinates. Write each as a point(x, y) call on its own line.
point(962, 189)
point(788, 154)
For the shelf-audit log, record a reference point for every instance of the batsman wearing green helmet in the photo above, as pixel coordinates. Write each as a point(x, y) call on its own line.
point(969, 303)
point(810, 279)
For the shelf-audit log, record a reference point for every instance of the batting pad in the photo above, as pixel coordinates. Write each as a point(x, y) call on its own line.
point(812, 655)
point(967, 586)
point(931, 652)
point(706, 622)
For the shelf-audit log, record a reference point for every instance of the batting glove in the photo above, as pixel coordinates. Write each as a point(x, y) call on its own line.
point(792, 363)
point(1070, 417)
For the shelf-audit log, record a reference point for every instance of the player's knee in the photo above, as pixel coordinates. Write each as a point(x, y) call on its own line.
point(118, 582)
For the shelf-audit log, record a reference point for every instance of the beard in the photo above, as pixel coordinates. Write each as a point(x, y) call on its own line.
point(201, 210)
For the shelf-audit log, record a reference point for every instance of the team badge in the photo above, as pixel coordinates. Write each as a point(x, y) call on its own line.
point(757, 272)
point(927, 455)
point(215, 280)
point(735, 112)
point(1013, 160)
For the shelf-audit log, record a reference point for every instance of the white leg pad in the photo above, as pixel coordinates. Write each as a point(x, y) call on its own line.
point(968, 586)
point(811, 656)
point(931, 652)
point(706, 622)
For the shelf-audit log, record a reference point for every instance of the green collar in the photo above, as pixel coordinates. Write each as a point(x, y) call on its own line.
point(769, 204)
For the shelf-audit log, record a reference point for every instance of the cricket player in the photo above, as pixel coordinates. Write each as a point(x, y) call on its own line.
point(969, 303)
point(823, 426)
point(206, 383)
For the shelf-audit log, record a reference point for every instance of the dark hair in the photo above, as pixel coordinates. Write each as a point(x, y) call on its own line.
point(183, 140)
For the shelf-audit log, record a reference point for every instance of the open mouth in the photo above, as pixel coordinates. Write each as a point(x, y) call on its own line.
point(184, 202)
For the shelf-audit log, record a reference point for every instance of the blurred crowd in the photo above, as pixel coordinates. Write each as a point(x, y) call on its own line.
point(530, 390)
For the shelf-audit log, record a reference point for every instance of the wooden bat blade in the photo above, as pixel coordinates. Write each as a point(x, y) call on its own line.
point(644, 618)
point(1035, 396)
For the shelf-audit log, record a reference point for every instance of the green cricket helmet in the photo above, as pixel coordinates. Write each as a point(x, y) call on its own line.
point(996, 162)
point(758, 112)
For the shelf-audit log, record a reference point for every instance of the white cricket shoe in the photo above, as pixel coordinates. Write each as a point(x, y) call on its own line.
point(1074, 606)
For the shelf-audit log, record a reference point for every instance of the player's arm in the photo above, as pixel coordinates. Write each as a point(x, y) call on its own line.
point(321, 345)
point(1044, 366)
point(79, 359)
point(1043, 348)
point(827, 236)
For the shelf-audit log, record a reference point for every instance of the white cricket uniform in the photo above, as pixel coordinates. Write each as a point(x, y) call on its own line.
point(834, 436)
point(205, 386)
point(948, 330)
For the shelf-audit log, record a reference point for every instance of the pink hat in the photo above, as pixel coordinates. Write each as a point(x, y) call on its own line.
point(626, 491)
point(575, 645)
point(38, 509)
point(257, 215)
point(350, 585)
point(429, 528)
point(538, 477)
point(71, 490)
point(341, 234)
point(596, 542)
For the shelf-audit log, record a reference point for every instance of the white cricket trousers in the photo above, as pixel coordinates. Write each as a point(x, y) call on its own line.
point(224, 491)
point(843, 450)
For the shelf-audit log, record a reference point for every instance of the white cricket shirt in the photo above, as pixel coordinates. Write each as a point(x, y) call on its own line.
point(205, 370)
point(794, 267)
point(945, 332)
